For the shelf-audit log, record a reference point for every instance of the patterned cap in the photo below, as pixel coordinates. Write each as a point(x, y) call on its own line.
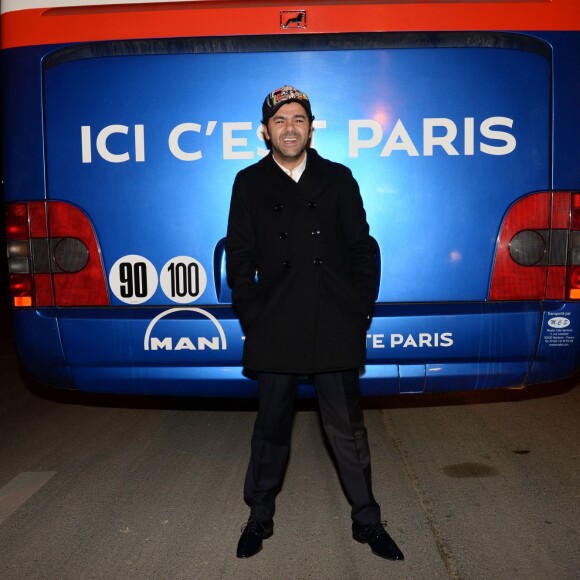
point(282, 96)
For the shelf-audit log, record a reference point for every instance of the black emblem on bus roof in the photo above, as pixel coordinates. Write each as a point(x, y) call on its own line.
point(292, 18)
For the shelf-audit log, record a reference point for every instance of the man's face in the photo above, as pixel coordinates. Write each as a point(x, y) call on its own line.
point(289, 132)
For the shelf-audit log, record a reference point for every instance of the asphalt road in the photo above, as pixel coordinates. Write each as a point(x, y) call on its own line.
point(473, 486)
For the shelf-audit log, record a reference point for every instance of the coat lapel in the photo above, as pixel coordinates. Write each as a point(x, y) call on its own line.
point(280, 183)
point(313, 182)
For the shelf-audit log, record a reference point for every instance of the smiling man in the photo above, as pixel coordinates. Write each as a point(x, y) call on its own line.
point(302, 267)
point(288, 132)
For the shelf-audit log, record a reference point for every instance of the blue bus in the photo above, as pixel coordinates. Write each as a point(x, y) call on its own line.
point(125, 123)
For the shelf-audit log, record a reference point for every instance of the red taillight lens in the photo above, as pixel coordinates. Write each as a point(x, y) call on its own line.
point(573, 278)
point(574, 282)
point(538, 252)
point(575, 217)
point(79, 278)
point(53, 256)
point(16, 221)
point(520, 268)
point(20, 279)
point(21, 290)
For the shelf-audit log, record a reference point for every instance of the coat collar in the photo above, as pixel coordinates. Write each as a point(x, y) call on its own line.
point(312, 183)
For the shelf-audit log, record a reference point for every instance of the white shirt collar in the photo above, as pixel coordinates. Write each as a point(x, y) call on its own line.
point(297, 172)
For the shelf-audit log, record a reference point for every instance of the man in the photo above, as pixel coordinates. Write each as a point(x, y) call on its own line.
point(303, 273)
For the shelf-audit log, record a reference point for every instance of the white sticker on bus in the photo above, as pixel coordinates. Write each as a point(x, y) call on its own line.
point(559, 322)
point(133, 279)
point(183, 279)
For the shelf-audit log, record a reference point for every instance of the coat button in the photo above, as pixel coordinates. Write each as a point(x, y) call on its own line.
point(317, 262)
point(287, 263)
point(312, 204)
point(283, 235)
point(279, 207)
point(315, 233)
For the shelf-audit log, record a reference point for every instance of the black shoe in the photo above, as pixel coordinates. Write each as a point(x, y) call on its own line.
point(377, 538)
point(253, 532)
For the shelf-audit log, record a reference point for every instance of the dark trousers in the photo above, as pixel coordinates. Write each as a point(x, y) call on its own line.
point(339, 399)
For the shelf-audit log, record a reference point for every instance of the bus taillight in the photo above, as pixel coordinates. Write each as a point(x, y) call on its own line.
point(538, 250)
point(53, 256)
point(21, 284)
point(21, 290)
point(520, 269)
point(573, 281)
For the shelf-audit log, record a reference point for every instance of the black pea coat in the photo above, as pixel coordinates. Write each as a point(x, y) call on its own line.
point(302, 267)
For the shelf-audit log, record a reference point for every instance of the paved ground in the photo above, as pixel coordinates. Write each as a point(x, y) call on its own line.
point(474, 486)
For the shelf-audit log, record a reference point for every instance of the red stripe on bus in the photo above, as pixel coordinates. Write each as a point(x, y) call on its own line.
point(82, 24)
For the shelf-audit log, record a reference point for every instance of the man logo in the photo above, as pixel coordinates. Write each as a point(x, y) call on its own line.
point(173, 342)
point(293, 19)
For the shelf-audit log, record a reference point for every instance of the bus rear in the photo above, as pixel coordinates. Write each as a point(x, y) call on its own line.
point(124, 125)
